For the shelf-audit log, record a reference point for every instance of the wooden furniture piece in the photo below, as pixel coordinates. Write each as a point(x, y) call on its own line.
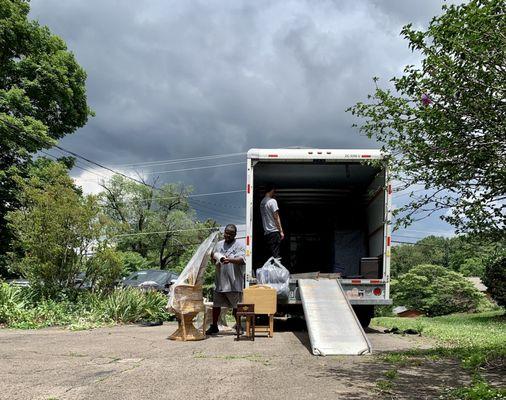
point(264, 298)
point(185, 295)
point(247, 311)
point(190, 302)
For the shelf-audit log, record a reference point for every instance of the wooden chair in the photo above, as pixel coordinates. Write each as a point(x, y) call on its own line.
point(185, 296)
point(264, 298)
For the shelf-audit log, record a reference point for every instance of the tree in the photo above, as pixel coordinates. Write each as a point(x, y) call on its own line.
point(156, 223)
point(466, 254)
point(495, 279)
point(56, 229)
point(435, 290)
point(42, 98)
point(444, 125)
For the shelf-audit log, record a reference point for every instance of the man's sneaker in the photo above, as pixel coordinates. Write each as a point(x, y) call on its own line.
point(213, 330)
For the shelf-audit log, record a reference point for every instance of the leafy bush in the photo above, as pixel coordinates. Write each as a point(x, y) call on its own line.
point(133, 305)
point(11, 303)
point(435, 291)
point(105, 269)
point(132, 262)
point(87, 310)
point(495, 280)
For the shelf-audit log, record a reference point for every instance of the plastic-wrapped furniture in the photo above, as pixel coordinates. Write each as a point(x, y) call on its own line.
point(185, 296)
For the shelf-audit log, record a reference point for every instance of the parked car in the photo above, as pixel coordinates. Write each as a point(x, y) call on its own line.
point(156, 279)
point(19, 282)
point(81, 282)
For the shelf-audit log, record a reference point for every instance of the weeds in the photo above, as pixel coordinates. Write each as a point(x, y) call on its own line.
point(385, 386)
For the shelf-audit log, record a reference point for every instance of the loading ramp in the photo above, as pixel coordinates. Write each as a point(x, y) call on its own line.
point(331, 322)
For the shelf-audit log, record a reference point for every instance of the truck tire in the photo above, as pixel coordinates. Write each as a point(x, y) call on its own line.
point(364, 314)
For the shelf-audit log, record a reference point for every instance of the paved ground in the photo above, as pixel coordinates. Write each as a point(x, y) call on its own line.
point(135, 362)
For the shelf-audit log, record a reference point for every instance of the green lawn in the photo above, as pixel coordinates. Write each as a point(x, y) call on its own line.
point(477, 340)
point(482, 330)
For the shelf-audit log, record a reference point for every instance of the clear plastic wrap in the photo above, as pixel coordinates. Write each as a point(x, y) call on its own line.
point(186, 292)
point(275, 275)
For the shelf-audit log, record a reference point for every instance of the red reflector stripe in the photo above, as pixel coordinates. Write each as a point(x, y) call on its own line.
point(247, 240)
point(356, 281)
point(388, 240)
point(375, 281)
point(272, 155)
point(389, 189)
point(248, 187)
point(366, 156)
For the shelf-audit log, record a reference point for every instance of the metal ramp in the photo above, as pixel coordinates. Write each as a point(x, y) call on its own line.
point(331, 322)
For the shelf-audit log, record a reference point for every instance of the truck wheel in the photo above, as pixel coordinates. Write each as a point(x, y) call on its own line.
point(364, 314)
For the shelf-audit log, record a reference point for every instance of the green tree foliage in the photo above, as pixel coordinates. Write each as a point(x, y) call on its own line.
point(42, 98)
point(56, 228)
point(495, 279)
point(435, 290)
point(465, 254)
point(132, 262)
point(444, 125)
point(156, 223)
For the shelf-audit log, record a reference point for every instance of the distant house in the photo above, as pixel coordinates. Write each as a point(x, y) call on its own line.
point(405, 312)
point(477, 283)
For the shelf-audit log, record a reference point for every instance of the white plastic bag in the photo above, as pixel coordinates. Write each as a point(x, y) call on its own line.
point(274, 274)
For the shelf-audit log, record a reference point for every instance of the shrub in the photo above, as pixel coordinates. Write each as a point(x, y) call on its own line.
point(133, 305)
point(11, 303)
point(104, 269)
point(132, 262)
point(495, 279)
point(435, 291)
point(86, 310)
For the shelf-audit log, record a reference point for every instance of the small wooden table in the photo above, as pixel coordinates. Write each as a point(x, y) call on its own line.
point(247, 311)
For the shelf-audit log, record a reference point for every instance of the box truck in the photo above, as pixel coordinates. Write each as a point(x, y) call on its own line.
point(335, 209)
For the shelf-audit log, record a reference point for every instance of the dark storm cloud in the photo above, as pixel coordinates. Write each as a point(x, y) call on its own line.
point(187, 78)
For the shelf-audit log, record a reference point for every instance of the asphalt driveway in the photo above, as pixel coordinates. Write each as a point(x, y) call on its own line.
point(135, 362)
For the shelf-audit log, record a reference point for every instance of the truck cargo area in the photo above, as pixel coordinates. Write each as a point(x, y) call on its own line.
point(332, 212)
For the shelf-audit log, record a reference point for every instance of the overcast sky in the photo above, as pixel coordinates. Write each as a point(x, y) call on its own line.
point(177, 79)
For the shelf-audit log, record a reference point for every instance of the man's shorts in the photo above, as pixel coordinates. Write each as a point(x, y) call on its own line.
point(226, 299)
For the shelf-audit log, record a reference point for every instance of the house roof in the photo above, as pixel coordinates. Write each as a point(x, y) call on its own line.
point(477, 283)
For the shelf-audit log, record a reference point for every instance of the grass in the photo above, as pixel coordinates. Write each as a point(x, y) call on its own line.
point(477, 340)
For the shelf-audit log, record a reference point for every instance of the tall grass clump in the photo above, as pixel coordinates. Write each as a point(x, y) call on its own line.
point(18, 309)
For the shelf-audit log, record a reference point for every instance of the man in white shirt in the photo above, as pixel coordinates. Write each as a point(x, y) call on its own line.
point(273, 232)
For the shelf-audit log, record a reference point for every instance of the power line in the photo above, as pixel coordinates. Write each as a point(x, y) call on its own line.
point(187, 196)
point(76, 165)
point(180, 160)
point(169, 231)
point(76, 155)
point(193, 168)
